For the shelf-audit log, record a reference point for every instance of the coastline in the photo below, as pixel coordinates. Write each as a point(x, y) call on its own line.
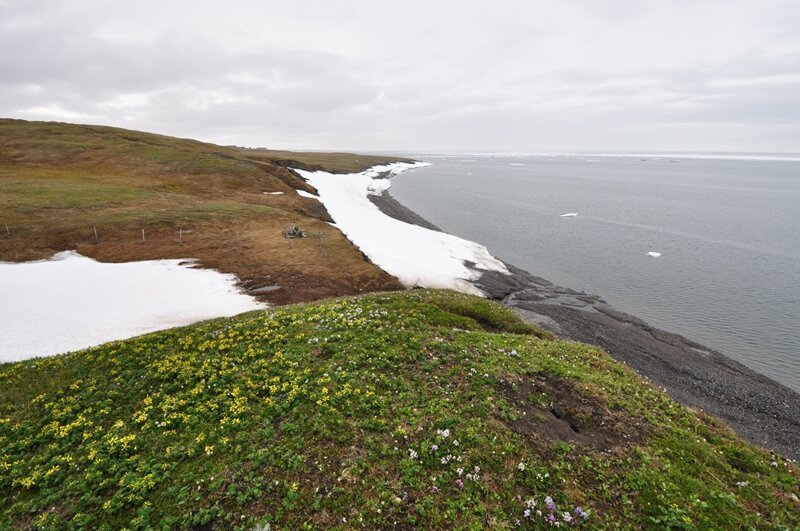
point(759, 409)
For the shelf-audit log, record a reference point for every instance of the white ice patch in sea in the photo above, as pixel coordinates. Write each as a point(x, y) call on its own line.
point(306, 194)
point(569, 215)
point(417, 256)
point(72, 302)
point(654, 254)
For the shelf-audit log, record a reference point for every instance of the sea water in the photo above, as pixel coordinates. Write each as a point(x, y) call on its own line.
point(707, 247)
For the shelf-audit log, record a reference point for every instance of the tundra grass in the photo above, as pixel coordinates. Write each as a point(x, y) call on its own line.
point(95, 189)
point(414, 409)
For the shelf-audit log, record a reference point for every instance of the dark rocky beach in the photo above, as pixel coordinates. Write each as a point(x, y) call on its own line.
point(759, 409)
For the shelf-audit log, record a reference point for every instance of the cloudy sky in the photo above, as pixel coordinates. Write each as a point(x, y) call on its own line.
point(414, 75)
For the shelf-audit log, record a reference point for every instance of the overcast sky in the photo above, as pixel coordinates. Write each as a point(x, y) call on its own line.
point(414, 75)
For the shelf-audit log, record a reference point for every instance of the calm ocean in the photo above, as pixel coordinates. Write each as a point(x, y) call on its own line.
point(728, 230)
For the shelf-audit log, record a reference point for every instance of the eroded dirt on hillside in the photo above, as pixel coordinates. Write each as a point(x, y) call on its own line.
point(552, 409)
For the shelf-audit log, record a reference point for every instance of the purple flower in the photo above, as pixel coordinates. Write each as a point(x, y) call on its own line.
point(460, 484)
point(580, 513)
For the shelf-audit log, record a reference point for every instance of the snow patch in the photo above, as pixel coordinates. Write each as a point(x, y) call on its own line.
point(273, 193)
point(306, 194)
point(417, 256)
point(72, 302)
point(569, 215)
point(654, 254)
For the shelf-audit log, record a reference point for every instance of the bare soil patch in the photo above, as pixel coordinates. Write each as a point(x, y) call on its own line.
point(553, 409)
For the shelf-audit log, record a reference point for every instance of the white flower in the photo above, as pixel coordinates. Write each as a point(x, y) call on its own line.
point(412, 454)
point(455, 443)
point(521, 467)
point(566, 516)
point(459, 471)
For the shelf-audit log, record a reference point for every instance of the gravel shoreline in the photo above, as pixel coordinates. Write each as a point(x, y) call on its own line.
point(760, 410)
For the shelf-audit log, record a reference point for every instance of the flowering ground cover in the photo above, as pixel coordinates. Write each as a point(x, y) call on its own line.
point(421, 408)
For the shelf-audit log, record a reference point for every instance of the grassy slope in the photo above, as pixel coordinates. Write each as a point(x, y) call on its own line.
point(59, 181)
point(334, 414)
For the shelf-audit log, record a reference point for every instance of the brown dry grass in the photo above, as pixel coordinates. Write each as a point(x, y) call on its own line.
point(60, 181)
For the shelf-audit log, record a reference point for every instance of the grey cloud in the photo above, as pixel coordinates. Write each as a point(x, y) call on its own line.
point(513, 75)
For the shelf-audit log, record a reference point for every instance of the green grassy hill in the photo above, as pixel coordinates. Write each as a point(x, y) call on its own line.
point(412, 409)
point(61, 182)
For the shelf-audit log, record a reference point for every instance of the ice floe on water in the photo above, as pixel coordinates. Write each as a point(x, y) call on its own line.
point(417, 256)
point(72, 302)
point(654, 254)
point(569, 215)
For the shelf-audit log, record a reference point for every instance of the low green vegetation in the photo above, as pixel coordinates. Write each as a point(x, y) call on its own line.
point(331, 162)
point(421, 408)
point(98, 190)
point(50, 167)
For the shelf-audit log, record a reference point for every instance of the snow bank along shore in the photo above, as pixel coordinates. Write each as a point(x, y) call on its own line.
point(417, 256)
point(72, 302)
